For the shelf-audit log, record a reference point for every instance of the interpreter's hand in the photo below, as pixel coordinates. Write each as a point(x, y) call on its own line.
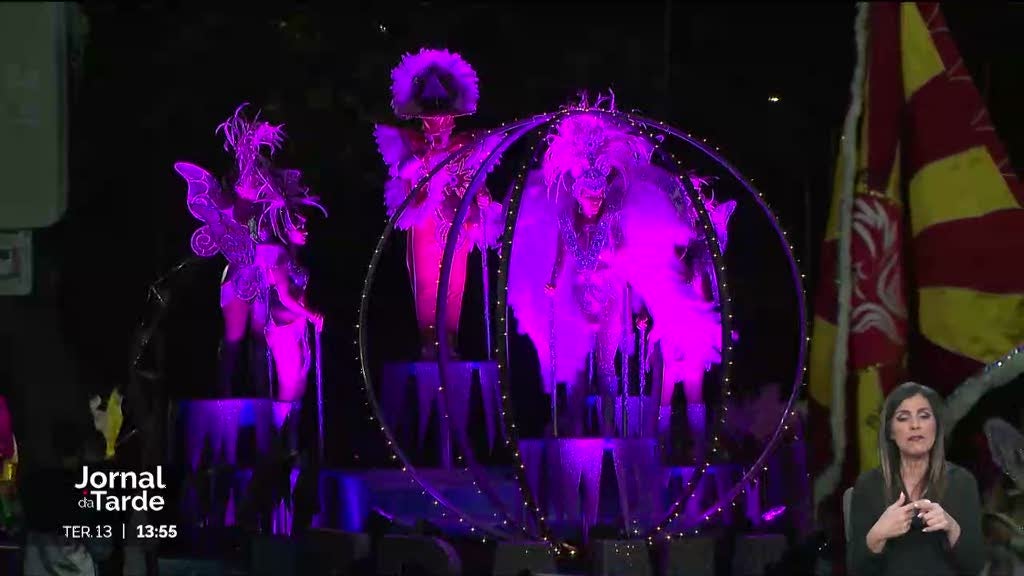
point(934, 516)
point(896, 519)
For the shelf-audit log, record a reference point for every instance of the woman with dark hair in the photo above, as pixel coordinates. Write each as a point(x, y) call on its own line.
point(916, 513)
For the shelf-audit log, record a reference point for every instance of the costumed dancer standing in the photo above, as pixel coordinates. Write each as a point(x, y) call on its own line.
point(596, 233)
point(699, 271)
point(258, 228)
point(435, 86)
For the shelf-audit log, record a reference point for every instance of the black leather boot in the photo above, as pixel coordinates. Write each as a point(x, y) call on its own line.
point(260, 365)
point(226, 368)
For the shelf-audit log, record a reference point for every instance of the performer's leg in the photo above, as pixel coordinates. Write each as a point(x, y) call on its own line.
point(576, 405)
point(604, 364)
point(456, 290)
point(693, 385)
point(668, 380)
point(692, 379)
point(259, 366)
point(293, 427)
point(236, 321)
point(291, 359)
point(423, 259)
point(287, 419)
point(662, 388)
point(291, 354)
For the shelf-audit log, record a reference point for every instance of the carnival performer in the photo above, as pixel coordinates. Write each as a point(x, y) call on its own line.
point(435, 86)
point(257, 226)
point(598, 235)
point(699, 271)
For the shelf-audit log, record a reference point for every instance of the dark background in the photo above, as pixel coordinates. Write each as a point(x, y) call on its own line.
point(153, 81)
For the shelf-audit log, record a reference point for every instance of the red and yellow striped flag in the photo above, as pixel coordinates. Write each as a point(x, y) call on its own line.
point(920, 266)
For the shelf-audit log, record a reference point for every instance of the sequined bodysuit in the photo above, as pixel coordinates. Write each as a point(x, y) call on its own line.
point(596, 289)
point(593, 284)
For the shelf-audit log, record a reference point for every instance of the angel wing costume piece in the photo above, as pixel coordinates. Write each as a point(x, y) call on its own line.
point(635, 241)
point(436, 86)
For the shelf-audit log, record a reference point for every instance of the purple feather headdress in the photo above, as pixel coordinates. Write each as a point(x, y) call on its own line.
point(283, 202)
point(280, 192)
point(433, 83)
point(248, 139)
point(585, 149)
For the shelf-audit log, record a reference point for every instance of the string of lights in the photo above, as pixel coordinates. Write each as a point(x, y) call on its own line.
point(362, 337)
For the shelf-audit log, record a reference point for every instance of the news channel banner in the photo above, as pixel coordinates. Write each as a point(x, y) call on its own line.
point(99, 501)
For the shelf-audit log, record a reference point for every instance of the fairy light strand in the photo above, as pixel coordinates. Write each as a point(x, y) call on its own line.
point(797, 277)
point(710, 238)
point(502, 352)
point(444, 277)
point(362, 341)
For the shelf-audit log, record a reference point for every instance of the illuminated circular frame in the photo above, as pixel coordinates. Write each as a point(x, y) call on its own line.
point(511, 133)
point(363, 337)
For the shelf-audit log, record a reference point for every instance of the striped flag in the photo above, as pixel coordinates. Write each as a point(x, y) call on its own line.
point(920, 274)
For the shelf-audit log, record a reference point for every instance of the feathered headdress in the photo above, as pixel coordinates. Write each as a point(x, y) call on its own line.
point(279, 191)
point(433, 83)
point(584, 149)
point(249, 140)
point(283, 203)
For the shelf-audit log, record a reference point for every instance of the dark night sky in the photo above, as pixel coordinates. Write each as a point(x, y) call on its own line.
point(155, 82)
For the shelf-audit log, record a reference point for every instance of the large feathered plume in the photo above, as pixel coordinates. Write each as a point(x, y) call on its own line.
point(248, 140)
point(585, 149)
point(283, 203)
point(433, 83)
point(280, 192)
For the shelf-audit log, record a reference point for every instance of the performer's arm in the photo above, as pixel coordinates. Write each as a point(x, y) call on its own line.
point(282, 282)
